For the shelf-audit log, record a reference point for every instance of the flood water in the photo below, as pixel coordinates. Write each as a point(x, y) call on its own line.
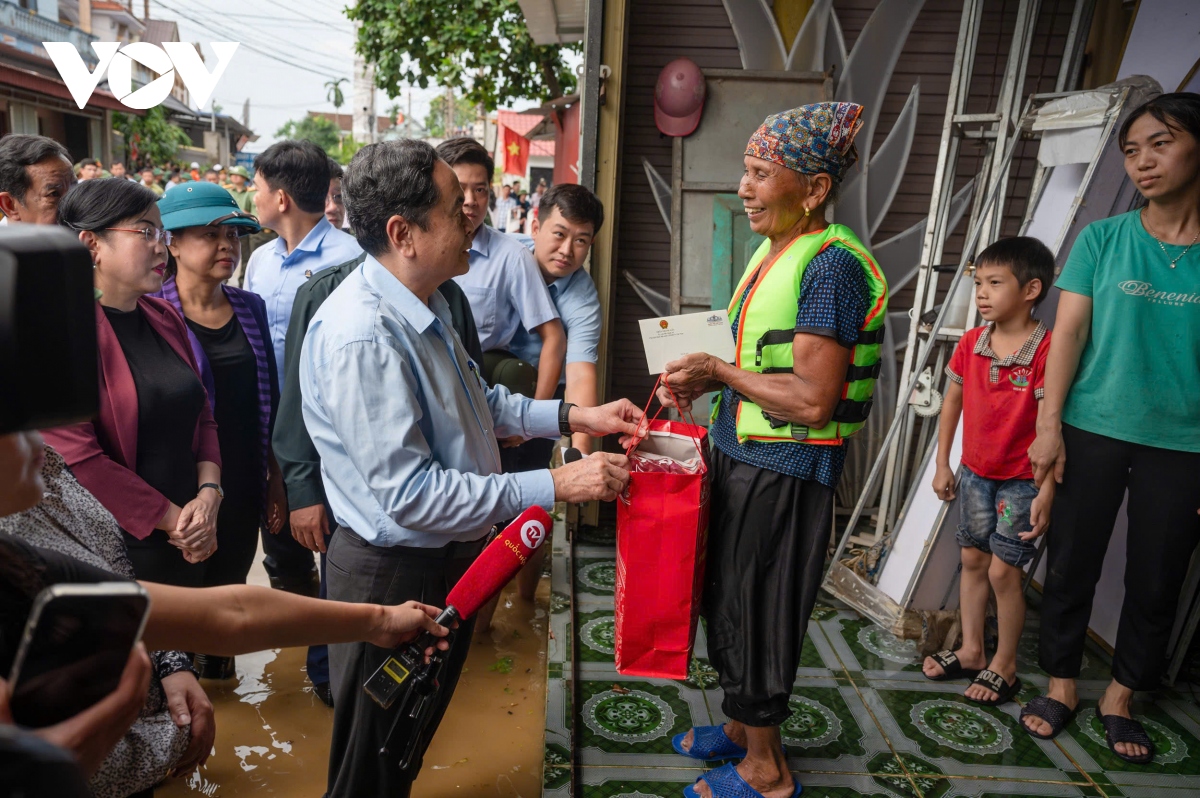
point(273, 733)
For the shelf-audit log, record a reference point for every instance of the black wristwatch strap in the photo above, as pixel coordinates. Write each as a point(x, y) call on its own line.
point(564, 411)
point(214, 486)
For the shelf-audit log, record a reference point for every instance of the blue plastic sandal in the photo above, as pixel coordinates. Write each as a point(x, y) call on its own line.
point(726, 782)
point(709, 742)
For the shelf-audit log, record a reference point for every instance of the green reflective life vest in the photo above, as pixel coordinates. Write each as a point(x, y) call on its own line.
point(767, 326)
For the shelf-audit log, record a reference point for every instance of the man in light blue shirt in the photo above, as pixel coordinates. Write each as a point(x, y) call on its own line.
point(406, 431)
point(568, 219)
point(503, 284)
point(292, 182)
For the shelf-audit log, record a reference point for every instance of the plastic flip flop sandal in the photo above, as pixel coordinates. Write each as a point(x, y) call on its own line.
point(726, 782)
point(952, 667)
point(995, 682)
point(1052, 711)
point(708, 742)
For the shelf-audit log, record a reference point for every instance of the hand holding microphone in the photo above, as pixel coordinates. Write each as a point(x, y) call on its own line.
point(487, 576)
point(404, 623)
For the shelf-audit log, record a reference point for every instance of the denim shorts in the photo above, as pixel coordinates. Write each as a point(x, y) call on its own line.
point(992, 513)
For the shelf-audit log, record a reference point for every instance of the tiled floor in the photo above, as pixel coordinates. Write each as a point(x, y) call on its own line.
point(865, 721)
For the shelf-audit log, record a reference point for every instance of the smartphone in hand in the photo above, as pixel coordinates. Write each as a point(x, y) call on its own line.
point(74, 649)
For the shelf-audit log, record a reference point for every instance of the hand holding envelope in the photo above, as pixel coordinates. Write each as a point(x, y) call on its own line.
point(690, 344)
point(671, 337)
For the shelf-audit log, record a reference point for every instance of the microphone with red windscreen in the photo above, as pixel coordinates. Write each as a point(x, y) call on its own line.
point(496, 565)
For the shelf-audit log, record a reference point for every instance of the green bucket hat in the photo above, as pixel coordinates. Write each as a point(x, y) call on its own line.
point(202, 204)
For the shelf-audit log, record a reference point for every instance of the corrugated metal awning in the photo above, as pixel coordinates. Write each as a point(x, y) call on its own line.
point(554, 21)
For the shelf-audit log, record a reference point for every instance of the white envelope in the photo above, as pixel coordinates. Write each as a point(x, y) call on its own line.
point(671, 337)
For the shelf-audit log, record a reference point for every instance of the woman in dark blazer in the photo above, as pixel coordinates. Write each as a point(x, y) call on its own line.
point(227, 329)
point(152, 455)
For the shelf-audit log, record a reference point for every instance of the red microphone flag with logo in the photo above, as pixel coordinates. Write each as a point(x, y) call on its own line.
point(500, 561)
point(516, 152)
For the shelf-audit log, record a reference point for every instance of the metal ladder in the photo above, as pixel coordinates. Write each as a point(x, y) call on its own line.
point(999, 130)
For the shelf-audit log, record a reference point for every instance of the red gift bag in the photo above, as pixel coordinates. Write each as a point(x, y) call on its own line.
point(662, 530)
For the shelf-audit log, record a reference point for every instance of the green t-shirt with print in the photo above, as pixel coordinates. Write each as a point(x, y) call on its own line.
point(1139, 376)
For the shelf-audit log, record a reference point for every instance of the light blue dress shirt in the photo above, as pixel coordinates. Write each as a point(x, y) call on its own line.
point(276, 276)
point(505, 288)
point(405, 427)
point(578, 306)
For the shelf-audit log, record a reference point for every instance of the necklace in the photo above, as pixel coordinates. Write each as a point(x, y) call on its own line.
point(1163, 246)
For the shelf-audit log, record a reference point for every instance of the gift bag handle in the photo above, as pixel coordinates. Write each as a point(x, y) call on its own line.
point(687, 416)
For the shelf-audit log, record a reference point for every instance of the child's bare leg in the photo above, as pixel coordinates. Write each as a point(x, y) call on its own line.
point(973, 589)
point(1005, 579)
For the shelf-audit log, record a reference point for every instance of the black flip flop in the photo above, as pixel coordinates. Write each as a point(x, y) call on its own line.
point(1126, 730)
point(1050, 710)
point(952, 667)
point(995, 682)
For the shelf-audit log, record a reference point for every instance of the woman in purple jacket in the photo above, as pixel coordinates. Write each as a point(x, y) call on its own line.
point(227, 329)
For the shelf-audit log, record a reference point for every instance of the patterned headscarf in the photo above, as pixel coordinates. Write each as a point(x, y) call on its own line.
point(810, 139)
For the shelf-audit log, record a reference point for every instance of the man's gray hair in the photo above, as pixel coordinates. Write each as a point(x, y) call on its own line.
point(21, 150)
point(391, 178)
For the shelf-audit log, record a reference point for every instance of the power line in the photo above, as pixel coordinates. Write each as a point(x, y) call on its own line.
point(296, 10)
point(259, 44)
point(273, 56)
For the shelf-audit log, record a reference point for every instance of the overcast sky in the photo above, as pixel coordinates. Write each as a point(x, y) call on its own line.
point(314, 35)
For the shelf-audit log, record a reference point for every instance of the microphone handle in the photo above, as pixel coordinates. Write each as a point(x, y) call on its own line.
point(385, 685)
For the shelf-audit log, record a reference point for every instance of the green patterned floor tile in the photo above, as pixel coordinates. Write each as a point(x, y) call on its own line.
point(640, 718)
point(809, 656)
point(596, 576)
point(596, 636)
point(878, 649)
point(556, 770)
point(596, 536)
point(1177, 751)
point(822, 612)
point(907, 775)
point(1094, 665)
point(821, 725)
point(947, 725)
point(701, 675)
point(621, 788)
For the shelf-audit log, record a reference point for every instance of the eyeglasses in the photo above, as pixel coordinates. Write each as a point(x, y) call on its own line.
point(152, 234)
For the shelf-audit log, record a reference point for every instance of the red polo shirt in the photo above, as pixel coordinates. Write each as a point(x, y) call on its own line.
point(1000, 401)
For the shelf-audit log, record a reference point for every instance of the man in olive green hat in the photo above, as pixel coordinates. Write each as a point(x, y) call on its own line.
point(241, 188)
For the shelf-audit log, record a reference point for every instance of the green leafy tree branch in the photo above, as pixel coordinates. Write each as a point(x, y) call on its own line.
point(157, 141)
point(480, 48)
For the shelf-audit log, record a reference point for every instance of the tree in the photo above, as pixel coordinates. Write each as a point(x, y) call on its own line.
point(435, 123)
point(317, 129)
point(334, 92)
point(152, 136)
point(480, 48)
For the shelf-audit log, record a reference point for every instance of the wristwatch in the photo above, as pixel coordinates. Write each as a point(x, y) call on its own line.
point(564, 412)
point(214, 486)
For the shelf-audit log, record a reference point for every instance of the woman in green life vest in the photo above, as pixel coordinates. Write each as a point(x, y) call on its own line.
point(808, 320)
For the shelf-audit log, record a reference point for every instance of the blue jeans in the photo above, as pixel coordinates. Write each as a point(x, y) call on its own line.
point(992, 513)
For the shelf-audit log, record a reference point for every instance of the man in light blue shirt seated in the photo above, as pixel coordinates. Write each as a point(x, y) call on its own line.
point(568, 219)
point(406, 431)
point(503, 284)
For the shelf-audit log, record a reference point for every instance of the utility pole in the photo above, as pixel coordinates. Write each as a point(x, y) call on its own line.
point(364, 125)
point(448, 112)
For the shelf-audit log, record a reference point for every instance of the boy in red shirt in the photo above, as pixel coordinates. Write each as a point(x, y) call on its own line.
point(996, 378)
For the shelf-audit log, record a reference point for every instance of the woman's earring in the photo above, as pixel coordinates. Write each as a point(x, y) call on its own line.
point(806, 210)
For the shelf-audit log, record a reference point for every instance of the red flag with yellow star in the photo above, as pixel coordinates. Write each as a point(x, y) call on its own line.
point(516, 152)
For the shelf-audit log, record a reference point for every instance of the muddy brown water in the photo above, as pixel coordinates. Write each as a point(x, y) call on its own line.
point(273, 733)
